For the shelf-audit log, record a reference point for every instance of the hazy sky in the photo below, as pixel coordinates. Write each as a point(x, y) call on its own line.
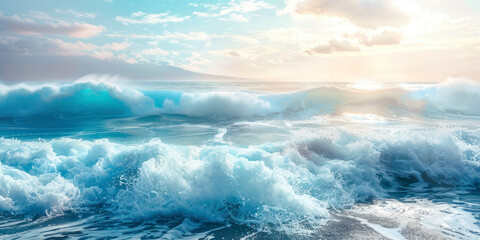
point(291, 40)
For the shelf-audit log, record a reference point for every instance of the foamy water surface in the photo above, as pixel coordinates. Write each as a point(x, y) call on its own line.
point(102, 159)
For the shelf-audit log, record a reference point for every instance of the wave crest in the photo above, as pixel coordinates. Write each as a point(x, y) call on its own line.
point(90, 99)
point(301, 178)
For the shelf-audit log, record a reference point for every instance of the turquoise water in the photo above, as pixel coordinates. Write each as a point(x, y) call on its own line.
point(98, 159)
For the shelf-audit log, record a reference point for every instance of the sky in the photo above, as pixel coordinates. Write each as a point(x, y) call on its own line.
point(282, 40)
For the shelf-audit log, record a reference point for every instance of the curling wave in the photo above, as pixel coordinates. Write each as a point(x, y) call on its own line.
point(90, 99)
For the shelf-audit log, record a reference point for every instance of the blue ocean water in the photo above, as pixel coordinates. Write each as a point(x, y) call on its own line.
point(102, 159)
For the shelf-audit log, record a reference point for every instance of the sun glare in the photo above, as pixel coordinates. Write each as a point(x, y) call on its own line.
point(369, 86)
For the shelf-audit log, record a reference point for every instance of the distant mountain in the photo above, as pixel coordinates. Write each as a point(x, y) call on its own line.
point(19, 68)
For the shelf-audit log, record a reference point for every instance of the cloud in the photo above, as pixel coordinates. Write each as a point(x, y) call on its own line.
point(251, 54)
point(293, 36)
point(190, 36)
point(155, 51)
point(205, 5)
point(245, 6)
point(193, 36)
point(23, 46)
point(385, 37)
point(234, 10)
point(74, 13)
point(243, 39)
point(79, 48)
point(118, 46)
point(60, 47)
point(21, 26)
point(363, 13)
point(234, 54)
point(104, 55)
point(238, 17)
point(193, 62)
point(346, 42)
point(41, 16)
point(334, 46)
point(46, 46)
point(125, 58)
point(196, 59)
point(230, 53)
point(144, 18)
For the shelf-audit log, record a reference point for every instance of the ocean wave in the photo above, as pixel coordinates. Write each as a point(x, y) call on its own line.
point(93, 98)
point(269, 183)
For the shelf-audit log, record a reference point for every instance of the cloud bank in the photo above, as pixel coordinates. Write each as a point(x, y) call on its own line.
point(363, 13)
point(21, 26)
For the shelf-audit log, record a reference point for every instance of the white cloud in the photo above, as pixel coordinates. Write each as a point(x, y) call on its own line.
point(363, 13)
point(144, 18)
point(334, 46)
point(190, 36)
point(155, 51)
point(18, 25)
point(138, 14)
point(124, 57)
point(117, 46)
point(205, 15)
point(79, 48)
point(41, 16)
point(238, 17)
point(47, 46)
point(245, 6)
point(330, 42)
point(74, 13)
point(384, 37)
point(104, 55)
point(235, 10)
point(194, 62)
point(196, 59)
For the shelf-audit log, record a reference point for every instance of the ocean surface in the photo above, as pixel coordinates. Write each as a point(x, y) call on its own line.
point(102, 158)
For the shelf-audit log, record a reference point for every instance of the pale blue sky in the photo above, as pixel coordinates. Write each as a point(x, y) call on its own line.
point(291, 40)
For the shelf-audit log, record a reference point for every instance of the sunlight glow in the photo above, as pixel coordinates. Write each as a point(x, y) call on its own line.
point(370, 86)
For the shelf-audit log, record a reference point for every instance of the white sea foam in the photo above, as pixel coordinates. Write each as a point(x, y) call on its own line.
point(268, 183)
point(417, 218)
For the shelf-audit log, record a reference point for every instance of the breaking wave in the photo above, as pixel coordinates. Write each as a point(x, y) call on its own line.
point(269, 183)
point(100, 99)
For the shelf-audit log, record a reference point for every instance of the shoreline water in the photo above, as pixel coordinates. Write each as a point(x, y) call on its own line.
point(383, 219)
